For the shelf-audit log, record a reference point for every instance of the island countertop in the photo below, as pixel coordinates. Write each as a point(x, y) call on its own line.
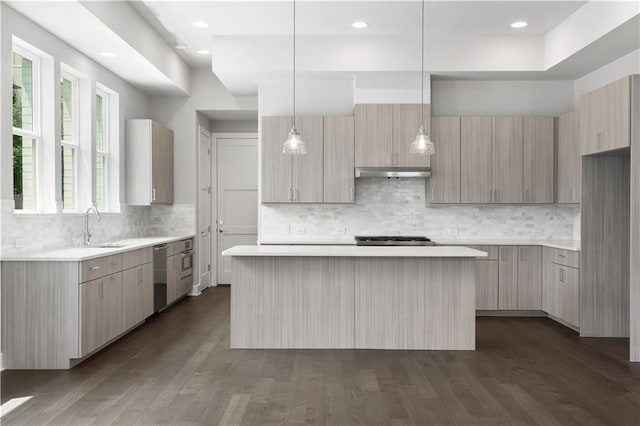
point(352, 251)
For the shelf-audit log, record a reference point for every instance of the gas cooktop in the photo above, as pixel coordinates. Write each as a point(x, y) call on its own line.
point(393, 241)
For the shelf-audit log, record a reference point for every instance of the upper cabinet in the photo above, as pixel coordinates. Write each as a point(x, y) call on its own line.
point(149, 163)
point(476, 160)
point(482, 160)
point(605, 118)
point(445, 164)
point(569, 161)
point(339, 185)
point(508, 160)
point(539, 154)
point(323, 175)
point(384, 132)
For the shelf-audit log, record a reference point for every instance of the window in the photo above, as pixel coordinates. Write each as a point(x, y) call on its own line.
point(102, 148)
point(26, 127)
point(69, 140)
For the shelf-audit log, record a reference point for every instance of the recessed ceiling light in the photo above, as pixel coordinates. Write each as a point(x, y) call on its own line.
point(519, 24)
point(359, 25)
point(108, 55)
point(180, 46)
point(202, 52)
point(200, 24)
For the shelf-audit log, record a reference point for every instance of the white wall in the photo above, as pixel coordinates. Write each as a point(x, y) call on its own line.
point(471, 97)
point(626, 65)
point(234, 126)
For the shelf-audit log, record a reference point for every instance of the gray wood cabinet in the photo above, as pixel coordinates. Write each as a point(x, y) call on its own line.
point(148, 163)
point(373, 135)
point(476, 160)
point(406, 123)
point(508, 278)
point(173, 278)
point(137, 294)
point(605, 118)
point(384, 133)
point(307, 170)
point(101, 312)
point(539, 160)
point(508, 159)
point(569, 161)
point(561, 286)
point(445, 164)
point(339, 160)
point(276, 167)
point(529, 278)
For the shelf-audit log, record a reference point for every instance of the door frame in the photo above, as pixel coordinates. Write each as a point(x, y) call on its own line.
point(214, 193)
point(197, 289)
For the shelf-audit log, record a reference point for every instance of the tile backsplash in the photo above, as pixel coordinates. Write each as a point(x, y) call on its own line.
point(33, 232)
point(398, 206)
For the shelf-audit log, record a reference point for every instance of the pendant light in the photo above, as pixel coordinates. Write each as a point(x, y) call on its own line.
point(422, 145)
point(294, 145)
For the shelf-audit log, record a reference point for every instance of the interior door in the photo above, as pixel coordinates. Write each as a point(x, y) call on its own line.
point(204, 213)
point(237, 166)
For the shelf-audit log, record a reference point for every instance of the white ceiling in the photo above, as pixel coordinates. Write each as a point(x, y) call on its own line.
point(333, 18)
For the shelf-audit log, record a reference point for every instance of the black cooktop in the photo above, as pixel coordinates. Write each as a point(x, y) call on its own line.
point(394, 240)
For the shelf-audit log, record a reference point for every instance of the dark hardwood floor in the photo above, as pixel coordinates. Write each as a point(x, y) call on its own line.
point(178, 369)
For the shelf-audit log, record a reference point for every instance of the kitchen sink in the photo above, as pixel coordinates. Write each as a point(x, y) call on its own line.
point(108, 245)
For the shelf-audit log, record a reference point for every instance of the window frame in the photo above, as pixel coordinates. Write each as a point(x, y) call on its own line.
point(36, 132)
point(75, 143)
point(106, 142)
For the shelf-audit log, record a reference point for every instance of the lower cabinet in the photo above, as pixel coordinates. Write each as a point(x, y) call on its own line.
point(561, 286)
point(137, 294)
point(101, 312)
point(487, 285)
point(173, 278)
point(529, 278)
point(508, 278)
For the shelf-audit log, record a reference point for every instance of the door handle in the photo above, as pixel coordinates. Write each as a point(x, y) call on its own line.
point(153, 194)
point(220, 230)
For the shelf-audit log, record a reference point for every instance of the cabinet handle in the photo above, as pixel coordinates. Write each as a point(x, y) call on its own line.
point(290, 195)
point(101, 289)
point(561, 275)
point(353, 196)
point(495, 195)
point(95, 268)
point(526, 195)
point(571, 193)
point(153, 194)
point(503, 252)
point(296, 193)
point(140, 275)
point(523, 255)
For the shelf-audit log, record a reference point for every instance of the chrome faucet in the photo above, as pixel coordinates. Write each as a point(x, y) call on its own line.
point(87, 234)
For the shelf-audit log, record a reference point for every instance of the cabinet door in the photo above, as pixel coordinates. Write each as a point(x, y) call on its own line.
point(308, 181)
point(568, 294)
point(168, 185)
point(508, 278)
point(92, 333)
point(158, 164)
point(131, 296)
point(146, 291)
point(529, 278)
point(112, 316)
point(173, 278)
point(339, 160)
point(592, 113)
point(373, 134)
point(549, 283)
point(445, 164)
point(539, 159)
point(617, 128)
point(487, 285)
point(276, 167)
point(406, 124)
point(476, 155)
point(508, 155)
point(569, 161)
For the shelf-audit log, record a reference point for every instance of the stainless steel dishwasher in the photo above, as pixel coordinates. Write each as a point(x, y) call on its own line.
point(159, 277)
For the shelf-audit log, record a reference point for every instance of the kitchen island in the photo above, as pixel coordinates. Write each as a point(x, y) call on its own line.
point(353, 297)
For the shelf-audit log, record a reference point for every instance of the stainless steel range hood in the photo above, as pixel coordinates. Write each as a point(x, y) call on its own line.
point(390, 172)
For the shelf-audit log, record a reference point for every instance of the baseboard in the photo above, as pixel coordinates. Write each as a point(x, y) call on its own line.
point(566, 324)
point(510, 314)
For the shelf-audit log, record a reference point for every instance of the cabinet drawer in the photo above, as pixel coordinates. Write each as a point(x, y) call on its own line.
point(92, 269)
point(492, 251)
point(135, 258)
point(178, 246)
point(186, 283)
point(566, 257)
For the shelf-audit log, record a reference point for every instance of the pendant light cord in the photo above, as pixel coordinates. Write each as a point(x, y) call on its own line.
point(294, 64)
point(422, 73)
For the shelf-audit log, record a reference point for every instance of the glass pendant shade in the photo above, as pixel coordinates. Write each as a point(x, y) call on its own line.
point(294, 145)
point(422, 145)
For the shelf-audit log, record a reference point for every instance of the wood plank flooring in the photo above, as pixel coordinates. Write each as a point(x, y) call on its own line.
point(178, 369)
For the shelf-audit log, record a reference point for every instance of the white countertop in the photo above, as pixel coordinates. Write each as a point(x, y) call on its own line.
point(561, 244)
point(351, 251)
point(78, 254)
